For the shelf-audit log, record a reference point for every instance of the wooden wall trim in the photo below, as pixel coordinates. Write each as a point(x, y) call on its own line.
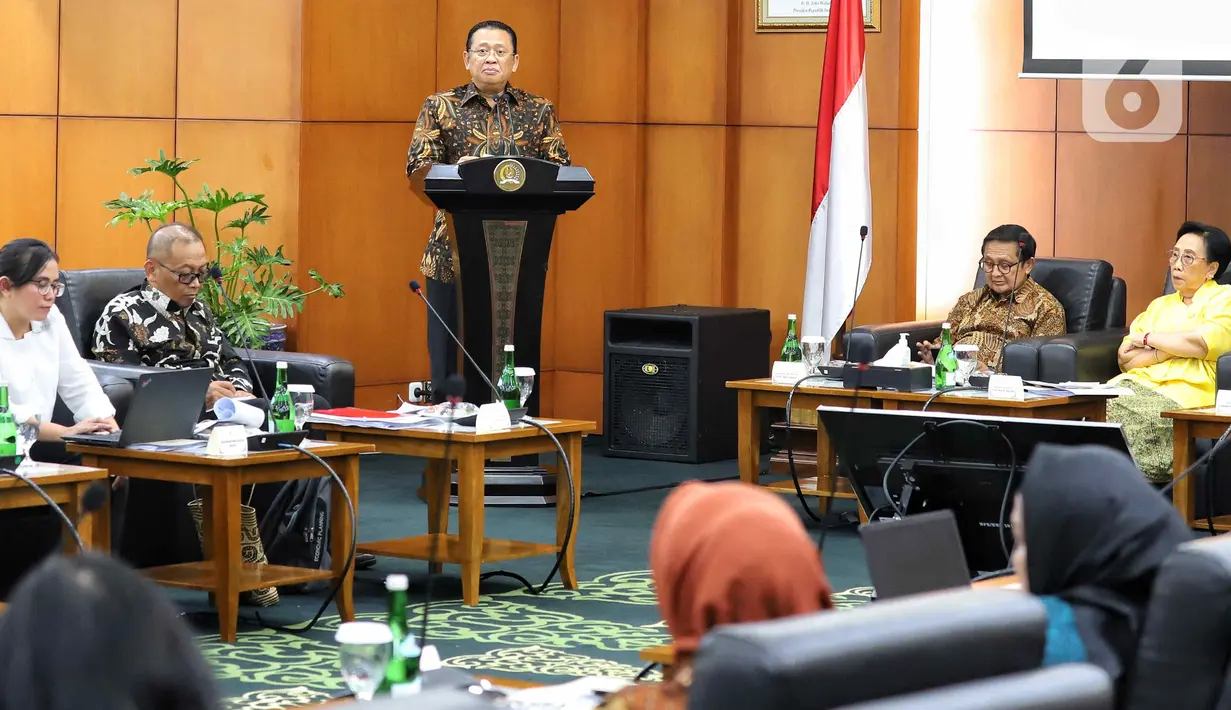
point(907, 236)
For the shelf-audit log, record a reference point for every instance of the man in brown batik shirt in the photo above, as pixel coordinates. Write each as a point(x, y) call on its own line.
point(485, 117)
point(981, 317)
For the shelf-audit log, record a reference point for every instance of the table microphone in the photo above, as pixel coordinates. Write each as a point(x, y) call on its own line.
point(94, 497)
point(215, 273)
point(414, 286)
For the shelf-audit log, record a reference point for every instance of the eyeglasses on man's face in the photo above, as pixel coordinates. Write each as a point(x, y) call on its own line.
point(189, 277)
point(485, 52)
point(1003, 267)
point(1186, 258)
point(47, 286)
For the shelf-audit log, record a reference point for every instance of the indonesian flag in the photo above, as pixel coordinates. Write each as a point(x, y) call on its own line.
point(841, 187)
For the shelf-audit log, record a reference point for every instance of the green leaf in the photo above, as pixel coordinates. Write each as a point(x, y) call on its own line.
point(334, 290)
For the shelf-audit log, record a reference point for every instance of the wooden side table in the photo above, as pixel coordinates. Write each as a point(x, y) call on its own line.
point(66, 485)
point(1190, 425)
point(224, 574)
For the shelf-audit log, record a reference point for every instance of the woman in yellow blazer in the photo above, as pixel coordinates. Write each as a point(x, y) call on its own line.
point(1170, 356)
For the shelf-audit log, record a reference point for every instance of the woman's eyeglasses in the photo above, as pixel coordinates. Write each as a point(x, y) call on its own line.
point(1002, 267)
point(1186, 258)
point(47, 286)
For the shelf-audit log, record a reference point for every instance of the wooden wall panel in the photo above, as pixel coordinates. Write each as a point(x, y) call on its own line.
point(257, 157)
point(985, 178)
point(374, 65)
point(382, 398)
point(878, 301)
point(1208, 157)
point(771, 234)
point(117, 58)
point(578, 395)
point(1121, 202)
point(537, 24)
point(1069, 104)
point(239, 59)
point(28, 180)
point(94, 155)
point(1209, 108)
point(606, 39)
point(361, 225)
point(686, 70)
point(29, 49)
point(685, 204)
point(976, 49)
point(547, 336)
point(598, 248)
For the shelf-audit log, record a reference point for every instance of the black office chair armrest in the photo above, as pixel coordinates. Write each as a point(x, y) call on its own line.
point(332, 377)
point(1021, 357)
point(879, 338)
point(1081, 357)
point(1224, 372)
point(1073, 686)
point(119, 371)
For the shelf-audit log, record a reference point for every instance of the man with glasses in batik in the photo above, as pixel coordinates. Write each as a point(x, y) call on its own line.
point(162, 324)
point(1011, 303)
point(484, 117)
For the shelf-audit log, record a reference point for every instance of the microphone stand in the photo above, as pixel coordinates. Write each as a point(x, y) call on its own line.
point(414, 286)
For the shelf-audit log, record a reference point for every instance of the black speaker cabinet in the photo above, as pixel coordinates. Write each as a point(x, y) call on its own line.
point(664, 381)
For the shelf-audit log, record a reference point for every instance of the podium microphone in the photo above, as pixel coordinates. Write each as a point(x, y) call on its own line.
point(215, 273)
point(418, 289)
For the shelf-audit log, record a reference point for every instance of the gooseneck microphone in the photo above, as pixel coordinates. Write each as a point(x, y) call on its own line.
point(93, 499)
point(215, 273)
point(1004, 335)
point(414, 286)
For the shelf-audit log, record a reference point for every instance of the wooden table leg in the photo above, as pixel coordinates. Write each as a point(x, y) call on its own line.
point(437, 483)
point(572, 444)
point(1184, 494)
point(749, 439)
point(94, 528)
point(341, 536)
point(470, 518)
point(228, 557)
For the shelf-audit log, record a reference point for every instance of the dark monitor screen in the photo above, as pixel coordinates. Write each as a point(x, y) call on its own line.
point(953, 463)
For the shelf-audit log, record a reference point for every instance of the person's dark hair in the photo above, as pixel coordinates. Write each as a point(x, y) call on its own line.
point(89, 632)
point(1217, 244)
point(491, 25)
point(1013, 234)
point(22, 259)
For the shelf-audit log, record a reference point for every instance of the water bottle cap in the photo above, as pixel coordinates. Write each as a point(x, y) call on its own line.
point(397, 583)
point(944, 326)
point(902, 337)
point(281, 364)
point(791, 317)
point(508, 348)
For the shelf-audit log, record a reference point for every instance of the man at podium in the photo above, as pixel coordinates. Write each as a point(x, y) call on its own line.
point(485, 117)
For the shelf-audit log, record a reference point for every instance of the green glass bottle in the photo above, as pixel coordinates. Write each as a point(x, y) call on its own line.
point(791, 350)
point(281, 409)
point(8, 425)
point(510, 393)
point(402, 673)
point(946, 360)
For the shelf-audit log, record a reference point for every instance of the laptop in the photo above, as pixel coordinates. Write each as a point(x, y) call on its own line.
point(165, 405)
point(916, 554)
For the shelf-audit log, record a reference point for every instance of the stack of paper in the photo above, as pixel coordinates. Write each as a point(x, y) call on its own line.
point(370, 418)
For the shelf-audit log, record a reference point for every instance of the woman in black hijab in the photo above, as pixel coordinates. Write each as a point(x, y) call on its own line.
point(1089, 536)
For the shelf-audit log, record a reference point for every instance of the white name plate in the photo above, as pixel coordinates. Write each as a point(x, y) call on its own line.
point(1222, 402)
point(227, 441)
point(1006, 387)
point(788, 373)
point(493, 416)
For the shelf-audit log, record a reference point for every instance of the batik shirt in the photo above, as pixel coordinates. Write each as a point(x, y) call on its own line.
point(458, 123)
point(980, 316)
point(142, 326)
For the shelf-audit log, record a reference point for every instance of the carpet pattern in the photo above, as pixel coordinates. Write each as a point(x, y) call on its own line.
point(597, 629)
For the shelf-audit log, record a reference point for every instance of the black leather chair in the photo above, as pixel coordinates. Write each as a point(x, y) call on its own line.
point(87, 292)
point(1077, 686)
point(1186, 641)
point(884, 649)
point(1092, 298)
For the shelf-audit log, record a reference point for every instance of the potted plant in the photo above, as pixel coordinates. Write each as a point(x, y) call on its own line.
point(256, 290)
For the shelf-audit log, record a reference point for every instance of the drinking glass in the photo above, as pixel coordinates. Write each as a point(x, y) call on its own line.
point(525, 382)
point(967, 360)
point(814, 352)
point(364, 648)
point(301, 403)
point(27, 434)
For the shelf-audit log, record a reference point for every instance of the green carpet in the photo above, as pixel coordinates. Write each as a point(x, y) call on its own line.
point(595, 630)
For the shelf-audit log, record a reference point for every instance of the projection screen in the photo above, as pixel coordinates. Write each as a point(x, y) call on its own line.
point(1145, 39)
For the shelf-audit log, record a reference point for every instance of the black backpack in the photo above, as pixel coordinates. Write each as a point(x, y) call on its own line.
point(295, 529)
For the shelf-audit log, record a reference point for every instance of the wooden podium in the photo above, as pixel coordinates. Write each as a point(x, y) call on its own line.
point(502, 213)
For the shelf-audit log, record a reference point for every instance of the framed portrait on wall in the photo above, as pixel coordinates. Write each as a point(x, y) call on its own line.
point(808, 15)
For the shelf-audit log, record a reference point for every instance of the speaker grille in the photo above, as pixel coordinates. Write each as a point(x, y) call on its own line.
point(649, 411)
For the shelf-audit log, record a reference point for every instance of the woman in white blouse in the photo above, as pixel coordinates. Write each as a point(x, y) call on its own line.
point(38, 359)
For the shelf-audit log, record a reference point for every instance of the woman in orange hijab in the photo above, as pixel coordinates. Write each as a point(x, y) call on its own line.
point(723, 553)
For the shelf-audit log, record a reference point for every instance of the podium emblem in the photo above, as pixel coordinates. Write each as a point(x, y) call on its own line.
point(509, 175)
